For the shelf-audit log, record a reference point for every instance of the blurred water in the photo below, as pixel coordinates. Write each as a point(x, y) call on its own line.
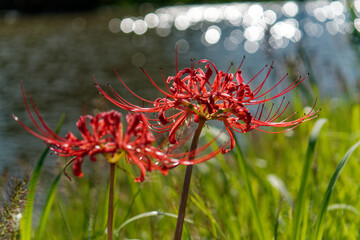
point(56, 56)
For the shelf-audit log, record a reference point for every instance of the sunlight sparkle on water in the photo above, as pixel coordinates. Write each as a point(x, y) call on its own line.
point(212, 14)
point(254, 33)
point(114, 25)
point(140, 27)
point(152, 20)
point(251, 47)
point(357, 24)
point(290, 9)
point(255, 11)
point(182, 45)
point(195, 14)
point(269, 17)
point(127, 25)
point(232, 14)
point(182, 22)
point(212, 35)
point(249, 21)
point(357, 5)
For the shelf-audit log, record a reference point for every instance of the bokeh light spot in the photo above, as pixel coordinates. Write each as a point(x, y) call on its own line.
point(181, 22)
point(255, 11)
point(182, 46)
point(213, 34)
point(251, 47)
point(270, 17)
point(114, 25)
point(211, 14)
point(254, 33)
point(357, 24)
point(236, 36)
point(195, 14)
point(140, 27)
point(290, 9)
point(152, 20)
point(127, 25)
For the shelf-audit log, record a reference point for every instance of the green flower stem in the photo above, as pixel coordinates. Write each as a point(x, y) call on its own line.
point(187, 179)
point(111, 202)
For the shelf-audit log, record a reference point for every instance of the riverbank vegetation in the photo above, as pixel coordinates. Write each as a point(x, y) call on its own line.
point(287, 179)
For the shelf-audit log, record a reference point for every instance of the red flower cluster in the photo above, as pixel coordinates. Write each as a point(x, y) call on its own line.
point(104, 134)
point(195, 93)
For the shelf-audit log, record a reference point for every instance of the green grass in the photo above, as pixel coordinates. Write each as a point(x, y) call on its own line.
point(272, 186)
point(26, 220)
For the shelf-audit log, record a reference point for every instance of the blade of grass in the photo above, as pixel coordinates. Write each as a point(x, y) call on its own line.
point(47, 208)
point(301, 198)
point(319, 225)
point(64, 221)
point(280, 186)
point(234, 175)
point(26, 219)
point(132, 203)
point(196, 199)
point(277, 223)
point(148, 214)
point(304, 227)
point(230, 179)
point(93, 228)
point(209, 133)
point(342, 206)
point(254, 207)
point(90, 228)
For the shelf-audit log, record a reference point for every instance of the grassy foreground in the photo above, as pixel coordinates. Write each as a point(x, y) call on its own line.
point(282, 188)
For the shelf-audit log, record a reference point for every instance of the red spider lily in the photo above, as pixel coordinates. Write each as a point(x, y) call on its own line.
point(225, 97)
point(104, 134)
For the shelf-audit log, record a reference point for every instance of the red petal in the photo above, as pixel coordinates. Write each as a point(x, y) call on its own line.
point(232, 139)
point(176, 126)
